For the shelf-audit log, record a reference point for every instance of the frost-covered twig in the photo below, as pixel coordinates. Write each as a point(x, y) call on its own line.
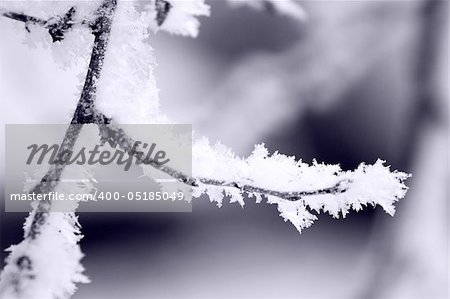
point(24, 18)
point(116, 136)
point(26, 274)
point(296, 187)
point(84, 112)
point(337, 183)
point(57, 26)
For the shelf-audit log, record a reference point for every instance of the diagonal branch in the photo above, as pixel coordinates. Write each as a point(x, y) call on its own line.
point(84, 112)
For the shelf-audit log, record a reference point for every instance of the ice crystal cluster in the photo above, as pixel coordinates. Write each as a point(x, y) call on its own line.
point(127, 93)
point(367, 185)
point(48, 266)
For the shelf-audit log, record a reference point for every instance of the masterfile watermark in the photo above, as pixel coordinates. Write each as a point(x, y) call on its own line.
point(96, 196)
point(61, 156)
point(94, 174)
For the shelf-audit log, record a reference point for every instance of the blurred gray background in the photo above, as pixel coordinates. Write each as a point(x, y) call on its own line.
point(357, 81)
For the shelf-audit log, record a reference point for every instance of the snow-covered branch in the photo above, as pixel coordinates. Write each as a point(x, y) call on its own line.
point(116, 136)
point(296, 187)
point(56, 26)
point(217, 171)
point(119, 88)
point(47, 266)
point(28, 273)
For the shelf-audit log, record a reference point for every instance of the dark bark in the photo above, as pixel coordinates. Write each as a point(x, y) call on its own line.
point(84, 112)
point(57, 27)
point(114, 135)
point(162, 11)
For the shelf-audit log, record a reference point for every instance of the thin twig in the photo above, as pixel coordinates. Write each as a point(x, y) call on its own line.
point(57, 27)
point(21, 17)
point(115, 135)
point(84, 112)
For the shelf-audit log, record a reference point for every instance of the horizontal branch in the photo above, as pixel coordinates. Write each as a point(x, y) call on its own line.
point(339, 187)
point(84, 112)
point(116, 136)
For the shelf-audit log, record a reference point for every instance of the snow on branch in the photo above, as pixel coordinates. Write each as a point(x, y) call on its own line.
point(57, 27)
point(318, 186)
point(47, 266)
point(127, 94)
point(120, 86)
point(296, 187)
point(29, 272)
